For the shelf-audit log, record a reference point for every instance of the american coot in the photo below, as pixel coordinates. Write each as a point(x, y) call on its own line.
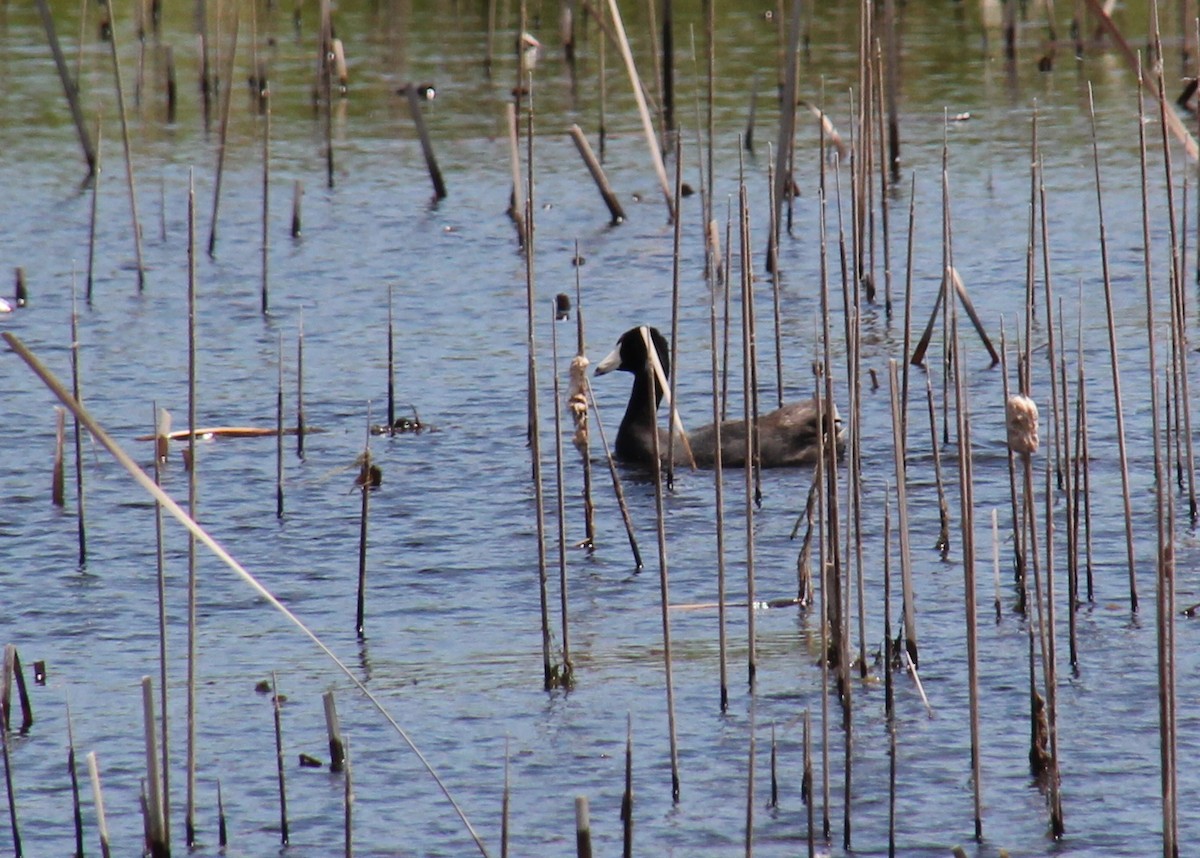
point(787, 436)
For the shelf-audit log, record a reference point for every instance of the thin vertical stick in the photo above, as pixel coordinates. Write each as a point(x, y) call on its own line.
point(579, 410)
point(193, 579)
point(222, 829)
point(656, 158)
point(747, 399)
point(266, 197)
point(615, 477)
point(675, 240)
point(58, 476)
point(567, 676)
point(161, 586)
point(943, 540)
point(889, 696)
point(664, 589)
point(774, 770)
point(365, 479)
point(516, 206)
point(300, 388)
point(787, 115)
point(505, 797)
point(97, 797)
point(718, 482)
point(627, 795)
point(391, 366)
point(910, 625)
point(326, 83)
point(297, 197)
point(8, 783)
point(279, 435)
point(806, 784)
point(418, 118)
point(750, 782)
point(276, 712)
point(549, 674)
point(76, 808)
point(92, 218)
point(583, 828)
point(137, 228)
point(333, 728)
point(159, 847)
point(966, 498)
point(348, 804)
point(70, 87)
point(1118, 408)
point(223, 133)
point(77, 391)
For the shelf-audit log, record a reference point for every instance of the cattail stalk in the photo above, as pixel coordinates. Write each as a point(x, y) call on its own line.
point(97, 797)
point(223, 133)
point(70, 87)
point(137, 228)
point(277, 713)
point(193, 578)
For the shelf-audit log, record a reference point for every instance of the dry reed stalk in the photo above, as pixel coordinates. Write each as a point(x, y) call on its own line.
point(676, 235)
point(908, 303)
point(749, 841)
point(70, 87)
point(58, 471)
point(884, 187)
point(747, 299)
point(418, 118)
point(627, 795)
point(830, 569)
point(616, 478)
point(137, 228)
point(664, 128)
point(159, 845)
point(1178, 294)
point(1164, 517)
point(943, 540)
point(806, 784)
point(365, 480)
point(297, 197)
point(279, 435)
point(161, 586)
point(718, 483)
point(787, 115)
point(1118, 407)
point(97, 798)
point(898, 451)
point(567, 675)
point(193, 578)
point(748, 136)
point(656, 159)
point(1050, 661)
point(266, 198)
point(276, 712)
point(889, 695)
point(93, 217)
point(325, 83)
point(348, 806)
point(1058, 406)
point(664, 593)
point(223, 134)
point(76, 806)
point(222, 830)
point(549, 671)
point(615, 211)
point(966, 492)
point(8, 783)
point(300, 425)
point(172, 85)
point(391, 366)
point(333, 729)
point(1083, 481)
point(773, 267)
point(516, 208)
point(822, 556)
point(583, 828)
point(505, 800)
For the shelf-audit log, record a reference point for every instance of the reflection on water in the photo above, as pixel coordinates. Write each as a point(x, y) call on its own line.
point(453, 642)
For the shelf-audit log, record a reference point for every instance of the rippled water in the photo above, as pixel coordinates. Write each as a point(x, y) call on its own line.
point(453, 644)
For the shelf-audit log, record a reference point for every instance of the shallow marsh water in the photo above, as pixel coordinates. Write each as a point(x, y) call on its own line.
point(453, 642)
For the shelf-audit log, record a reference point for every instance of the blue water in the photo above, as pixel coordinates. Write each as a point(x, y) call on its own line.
point(453, 642)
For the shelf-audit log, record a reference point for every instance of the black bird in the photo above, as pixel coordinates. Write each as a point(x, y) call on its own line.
point(786, 436)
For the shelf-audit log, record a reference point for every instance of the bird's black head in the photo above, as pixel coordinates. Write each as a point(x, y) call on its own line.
point(631, 354)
